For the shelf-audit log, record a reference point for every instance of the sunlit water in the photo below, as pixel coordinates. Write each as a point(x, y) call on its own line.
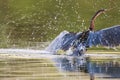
point(26, 64)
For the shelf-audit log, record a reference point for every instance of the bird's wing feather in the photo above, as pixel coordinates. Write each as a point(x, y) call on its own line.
point(107, 37)
point(62, 41)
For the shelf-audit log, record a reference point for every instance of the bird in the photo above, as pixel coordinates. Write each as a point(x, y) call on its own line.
point(81, 41)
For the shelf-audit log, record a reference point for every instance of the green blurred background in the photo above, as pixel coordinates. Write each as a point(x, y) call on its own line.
point(42, 20)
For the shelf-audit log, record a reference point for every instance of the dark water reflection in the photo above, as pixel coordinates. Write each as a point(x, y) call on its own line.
point(70, 63)
point(101, 68)
point(111, 68)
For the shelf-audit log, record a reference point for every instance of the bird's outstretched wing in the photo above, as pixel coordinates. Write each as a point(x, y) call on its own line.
point(105, 37)
point(62, 41)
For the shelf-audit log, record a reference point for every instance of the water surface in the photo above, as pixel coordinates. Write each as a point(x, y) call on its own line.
point(41, 66)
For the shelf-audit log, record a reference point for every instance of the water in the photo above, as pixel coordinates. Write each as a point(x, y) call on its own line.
point(27, 64)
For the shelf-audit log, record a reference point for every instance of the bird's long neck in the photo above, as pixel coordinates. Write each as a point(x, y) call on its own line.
point(91, 28)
